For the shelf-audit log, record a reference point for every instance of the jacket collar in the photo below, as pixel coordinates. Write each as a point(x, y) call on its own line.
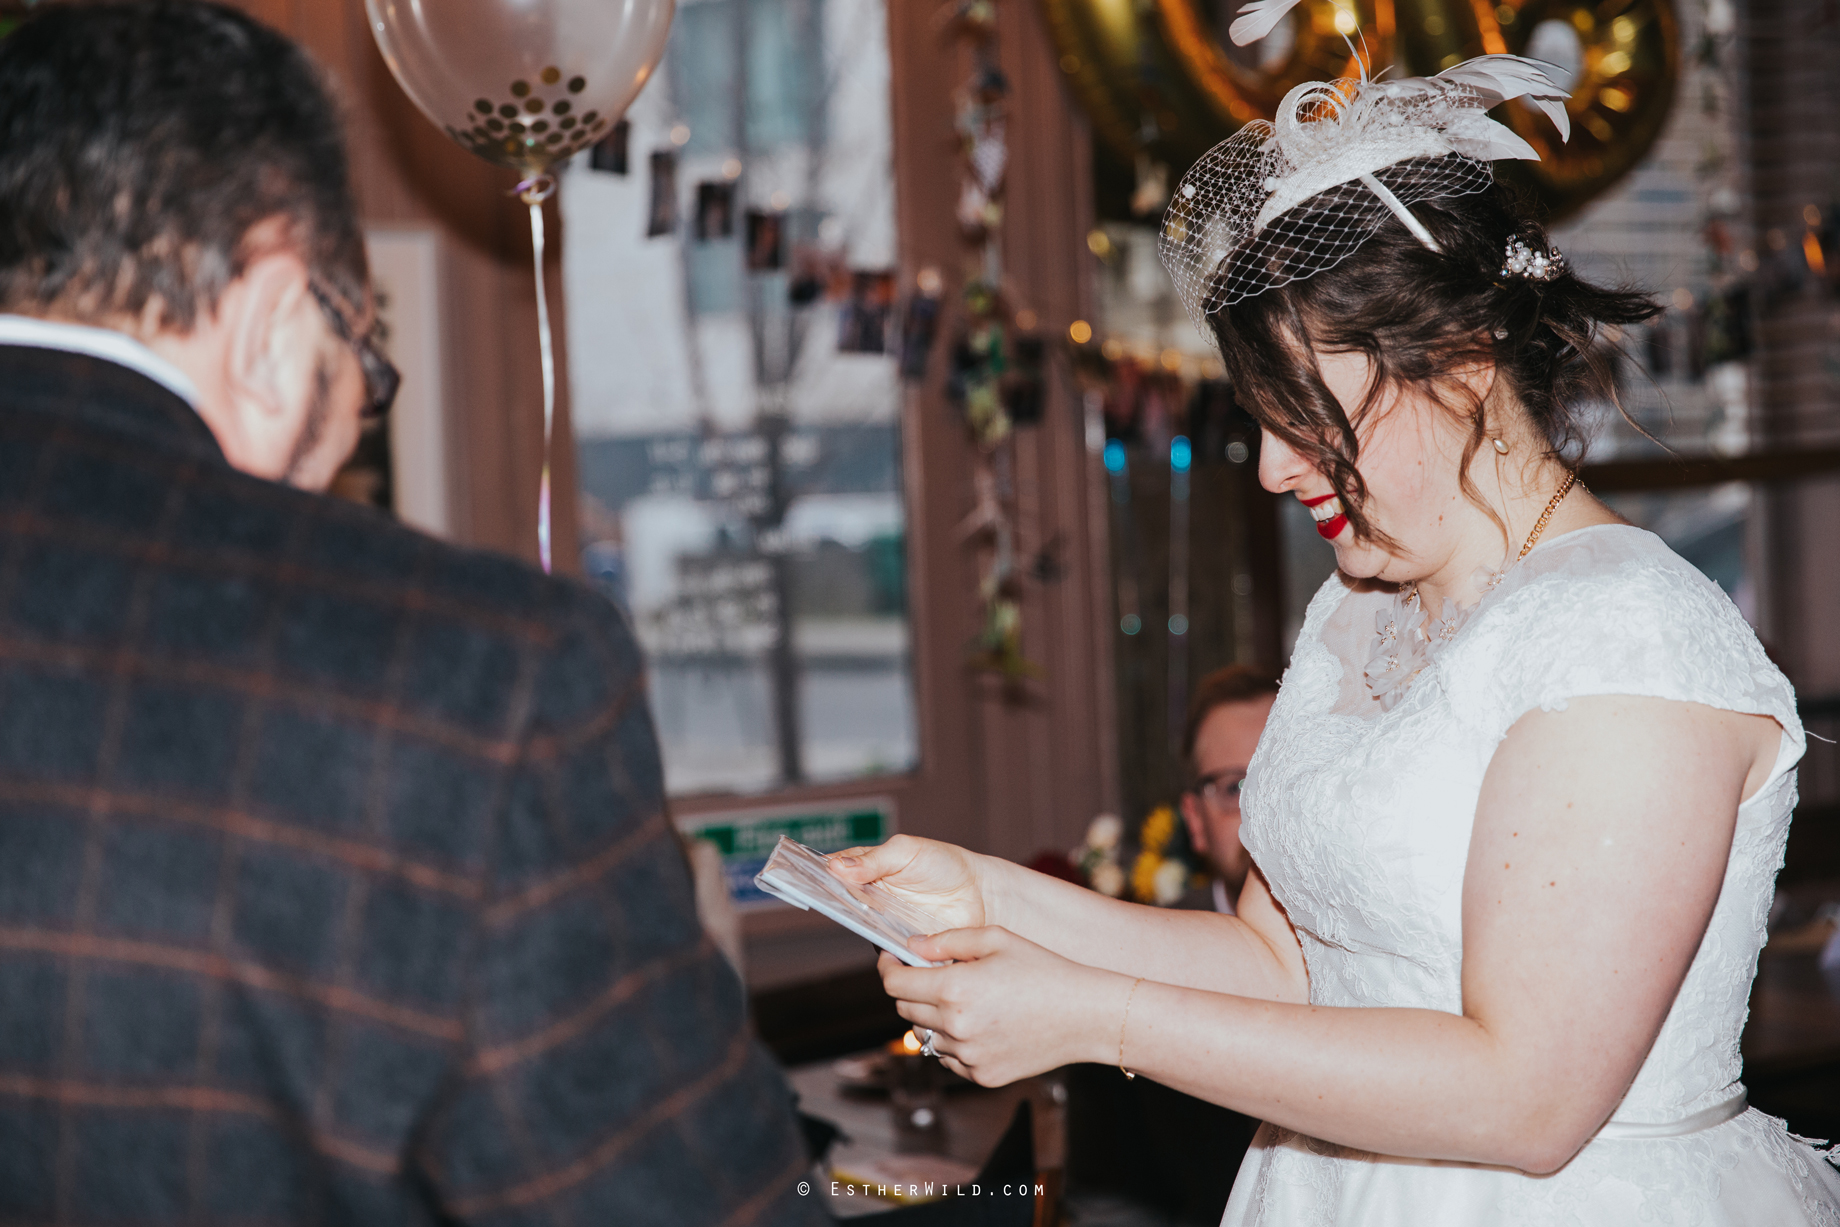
point(103, 393)
point(117, 347)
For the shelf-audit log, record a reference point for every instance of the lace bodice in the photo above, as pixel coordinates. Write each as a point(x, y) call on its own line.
point(1360, 819)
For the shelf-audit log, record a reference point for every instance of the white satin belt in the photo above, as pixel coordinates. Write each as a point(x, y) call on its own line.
point(1717, 1114)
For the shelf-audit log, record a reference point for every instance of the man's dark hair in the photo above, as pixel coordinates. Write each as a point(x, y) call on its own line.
point(1233, 684)
point(140, 143)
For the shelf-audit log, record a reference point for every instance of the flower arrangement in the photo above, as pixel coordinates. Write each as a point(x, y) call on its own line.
point(1097, 858)
point(1160, 873)
point(1159, 869)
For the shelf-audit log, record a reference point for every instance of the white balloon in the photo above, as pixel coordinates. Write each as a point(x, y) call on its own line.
point(522, 83)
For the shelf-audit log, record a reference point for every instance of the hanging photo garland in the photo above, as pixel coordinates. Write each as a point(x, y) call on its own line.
point(987, 384)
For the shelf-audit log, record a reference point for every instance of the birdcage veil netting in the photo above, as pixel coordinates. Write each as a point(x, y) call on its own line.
point(1215, 261)
point(1278, 202)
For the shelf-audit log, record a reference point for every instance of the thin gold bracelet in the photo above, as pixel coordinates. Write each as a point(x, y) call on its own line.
point(1121, 1026)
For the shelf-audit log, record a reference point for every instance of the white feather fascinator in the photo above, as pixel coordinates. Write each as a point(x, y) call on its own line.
point(1359, 151)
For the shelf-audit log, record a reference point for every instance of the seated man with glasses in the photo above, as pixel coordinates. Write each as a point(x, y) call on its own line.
point(1225, 718)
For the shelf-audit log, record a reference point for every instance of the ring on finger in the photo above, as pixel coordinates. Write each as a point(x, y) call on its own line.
point(926, 1045)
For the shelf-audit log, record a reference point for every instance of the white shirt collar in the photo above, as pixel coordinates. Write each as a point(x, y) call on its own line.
point(104, 343)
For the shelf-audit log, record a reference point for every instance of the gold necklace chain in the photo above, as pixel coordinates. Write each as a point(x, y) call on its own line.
point(1565, 488)
point(1410, 592)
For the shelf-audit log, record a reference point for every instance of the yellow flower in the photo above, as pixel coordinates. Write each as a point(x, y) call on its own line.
point(1159, 829)
point(1143, 876)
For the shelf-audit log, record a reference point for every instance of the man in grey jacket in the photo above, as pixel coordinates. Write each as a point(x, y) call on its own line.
point(336, 882)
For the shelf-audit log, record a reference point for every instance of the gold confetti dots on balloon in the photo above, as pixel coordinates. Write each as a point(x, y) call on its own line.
point(529, 131)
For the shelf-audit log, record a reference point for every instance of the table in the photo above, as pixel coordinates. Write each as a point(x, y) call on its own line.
point(972, 1119)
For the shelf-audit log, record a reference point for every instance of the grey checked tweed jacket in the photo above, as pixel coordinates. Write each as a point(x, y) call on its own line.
point(335, 880)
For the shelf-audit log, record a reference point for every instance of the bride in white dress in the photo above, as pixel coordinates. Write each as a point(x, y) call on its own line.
point(1513, 861)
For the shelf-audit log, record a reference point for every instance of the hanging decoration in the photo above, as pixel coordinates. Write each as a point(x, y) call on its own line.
point(609, 154)
point(524, 84)
point(661, 216)
point(990, 388)
point(920, 323)
point(715, 211)
point(866, 313)
point(766, 241)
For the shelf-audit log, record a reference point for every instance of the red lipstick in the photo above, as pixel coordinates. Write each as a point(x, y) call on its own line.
point(1328, 525)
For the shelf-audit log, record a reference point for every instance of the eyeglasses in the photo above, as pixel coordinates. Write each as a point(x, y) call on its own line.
point(1221, 789)
point(381, 378)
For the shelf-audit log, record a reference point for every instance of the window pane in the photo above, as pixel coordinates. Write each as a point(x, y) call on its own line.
point(784, 75)
point(702, 67)
point(738, 430)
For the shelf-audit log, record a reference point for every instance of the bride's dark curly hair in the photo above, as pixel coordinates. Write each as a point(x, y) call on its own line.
point(1419, 315)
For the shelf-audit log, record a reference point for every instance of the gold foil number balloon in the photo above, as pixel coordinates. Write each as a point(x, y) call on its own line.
point(522, 83)
point(1312, 44)
point(1161, 76)
point(1624, 63)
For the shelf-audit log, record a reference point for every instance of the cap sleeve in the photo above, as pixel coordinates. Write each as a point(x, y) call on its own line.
point(1620, 614)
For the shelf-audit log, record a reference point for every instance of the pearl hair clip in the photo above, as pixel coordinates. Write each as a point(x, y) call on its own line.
point(1523, 261)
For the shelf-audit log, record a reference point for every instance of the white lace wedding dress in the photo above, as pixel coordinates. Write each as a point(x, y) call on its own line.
point(1360, 820)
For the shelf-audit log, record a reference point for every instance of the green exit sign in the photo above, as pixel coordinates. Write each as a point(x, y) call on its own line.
point(746, 838)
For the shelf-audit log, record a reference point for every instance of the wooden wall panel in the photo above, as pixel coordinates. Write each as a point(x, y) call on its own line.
point(1006, 776)
point(1069, 737)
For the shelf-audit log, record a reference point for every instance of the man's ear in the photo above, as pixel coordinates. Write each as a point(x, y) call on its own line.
point(1192, 819)
point(270, 362)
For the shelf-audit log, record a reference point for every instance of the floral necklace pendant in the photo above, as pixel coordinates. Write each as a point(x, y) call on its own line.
point(1406, 639)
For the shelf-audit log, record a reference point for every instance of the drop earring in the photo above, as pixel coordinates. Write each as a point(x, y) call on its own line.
point(1499, 445)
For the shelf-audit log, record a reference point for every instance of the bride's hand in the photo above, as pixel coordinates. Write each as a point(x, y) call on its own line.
point(1005, 1008)
point(942, 879)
